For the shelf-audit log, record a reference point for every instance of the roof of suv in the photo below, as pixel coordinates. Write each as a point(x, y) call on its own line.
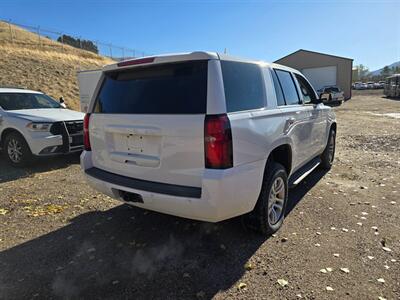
point(17, 90)
point(186, 56)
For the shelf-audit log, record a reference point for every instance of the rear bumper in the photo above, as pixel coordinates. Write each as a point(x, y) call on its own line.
point(223, 194)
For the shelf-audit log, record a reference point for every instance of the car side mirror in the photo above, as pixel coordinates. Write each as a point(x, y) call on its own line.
point(319, 100)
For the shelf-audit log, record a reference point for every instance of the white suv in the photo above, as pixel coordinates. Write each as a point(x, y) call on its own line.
point(205, 136)
point(33, 124)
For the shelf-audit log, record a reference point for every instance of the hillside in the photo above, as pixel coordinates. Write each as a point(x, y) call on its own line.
point(378, 72)
point(50, 67)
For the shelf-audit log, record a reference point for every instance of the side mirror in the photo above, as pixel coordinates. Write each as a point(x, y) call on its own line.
point(318, 101)
point(62, 102)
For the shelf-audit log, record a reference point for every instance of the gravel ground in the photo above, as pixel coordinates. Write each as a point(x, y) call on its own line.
point(341, 237)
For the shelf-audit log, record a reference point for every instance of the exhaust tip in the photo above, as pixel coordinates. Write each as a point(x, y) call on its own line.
point(130, 197)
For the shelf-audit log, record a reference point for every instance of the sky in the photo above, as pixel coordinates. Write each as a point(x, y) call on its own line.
point(367, 31)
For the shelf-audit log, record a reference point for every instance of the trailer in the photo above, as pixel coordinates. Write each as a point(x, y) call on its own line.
point(87, 81)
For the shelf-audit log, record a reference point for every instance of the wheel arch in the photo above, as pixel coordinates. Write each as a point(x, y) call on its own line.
point(282, 154)
point(333, 126)
point(8, 131)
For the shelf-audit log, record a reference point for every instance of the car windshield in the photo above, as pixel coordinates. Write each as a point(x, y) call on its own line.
point(332, 89)
point(18, 101)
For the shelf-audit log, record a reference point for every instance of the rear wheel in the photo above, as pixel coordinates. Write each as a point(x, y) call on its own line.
point(328, 155)
point(269, 212)
point(17, 150)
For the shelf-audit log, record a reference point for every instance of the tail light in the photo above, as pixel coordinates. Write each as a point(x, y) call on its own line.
point(218, 142)
point(86, 139)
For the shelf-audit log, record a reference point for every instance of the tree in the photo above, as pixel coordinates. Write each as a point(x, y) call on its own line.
point(386, 71)
point(78, 43)
point(361, 72)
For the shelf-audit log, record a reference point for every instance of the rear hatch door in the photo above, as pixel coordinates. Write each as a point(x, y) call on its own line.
point(148, 122)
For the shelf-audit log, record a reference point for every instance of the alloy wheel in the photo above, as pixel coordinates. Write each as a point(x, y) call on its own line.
point(14, 150)
point(331, 147)
point(276, 201)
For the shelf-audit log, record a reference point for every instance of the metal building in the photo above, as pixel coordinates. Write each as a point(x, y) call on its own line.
point(322, 69)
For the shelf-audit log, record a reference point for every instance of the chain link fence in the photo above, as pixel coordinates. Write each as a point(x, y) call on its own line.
point(44, 36)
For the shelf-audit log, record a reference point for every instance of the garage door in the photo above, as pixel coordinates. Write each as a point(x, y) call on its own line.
point(320, 77)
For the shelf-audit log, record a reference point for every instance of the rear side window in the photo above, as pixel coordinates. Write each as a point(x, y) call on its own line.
point(243, 85)
point(179, 88)
point(278, 90)
point(288, 87)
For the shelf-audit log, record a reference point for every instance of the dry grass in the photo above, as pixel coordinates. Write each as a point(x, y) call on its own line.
point(50, 68)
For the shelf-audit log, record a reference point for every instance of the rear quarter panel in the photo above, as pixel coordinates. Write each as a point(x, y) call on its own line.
point(257, 132)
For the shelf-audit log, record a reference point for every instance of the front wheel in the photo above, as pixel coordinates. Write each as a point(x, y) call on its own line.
point(328, 155)
point(17, 150)
point(269, 212)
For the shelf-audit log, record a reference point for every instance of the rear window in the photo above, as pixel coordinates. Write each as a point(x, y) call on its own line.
point(332, 89)
point(179, 88)
point(243, 85)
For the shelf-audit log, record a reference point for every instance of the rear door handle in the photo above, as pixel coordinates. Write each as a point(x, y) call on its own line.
point(290, 121)
point(289, 124)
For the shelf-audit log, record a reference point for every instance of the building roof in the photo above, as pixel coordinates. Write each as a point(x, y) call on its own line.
point(314, 52)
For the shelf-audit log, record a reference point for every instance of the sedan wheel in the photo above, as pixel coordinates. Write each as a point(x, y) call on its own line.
point(331, 147)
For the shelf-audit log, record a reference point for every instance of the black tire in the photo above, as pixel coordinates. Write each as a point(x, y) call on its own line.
point(328, 155)
point(14, 141)
point(259, 219)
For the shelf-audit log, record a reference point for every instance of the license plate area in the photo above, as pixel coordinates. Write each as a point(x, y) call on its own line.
point(136, 149)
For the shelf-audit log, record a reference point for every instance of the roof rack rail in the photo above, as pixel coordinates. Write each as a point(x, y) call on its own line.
point(12, 87)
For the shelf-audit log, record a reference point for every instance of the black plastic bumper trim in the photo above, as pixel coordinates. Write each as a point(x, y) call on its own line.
point(144, 185)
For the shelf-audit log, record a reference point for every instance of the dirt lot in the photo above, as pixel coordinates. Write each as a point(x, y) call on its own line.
point(341, 237)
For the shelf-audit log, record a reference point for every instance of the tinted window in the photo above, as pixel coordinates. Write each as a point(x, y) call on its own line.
point(243, 85)
point(332, 89)
point(288, 87)
point(17, 101)
point(278, 90)
point(306, 90)
point(179, 88)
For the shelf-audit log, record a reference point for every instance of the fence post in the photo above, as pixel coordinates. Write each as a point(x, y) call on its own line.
point(38, 32)
point(111, 51)
point(9, 26)
point(62, 40)
point(80, 42)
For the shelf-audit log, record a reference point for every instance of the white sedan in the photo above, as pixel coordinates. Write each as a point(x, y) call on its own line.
point(33, 124)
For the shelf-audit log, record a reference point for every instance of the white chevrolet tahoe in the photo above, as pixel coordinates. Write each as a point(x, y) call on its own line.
point(33, 124)
point(205, 136)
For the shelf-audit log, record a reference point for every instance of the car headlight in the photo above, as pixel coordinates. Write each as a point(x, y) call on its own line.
point(33, 126)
